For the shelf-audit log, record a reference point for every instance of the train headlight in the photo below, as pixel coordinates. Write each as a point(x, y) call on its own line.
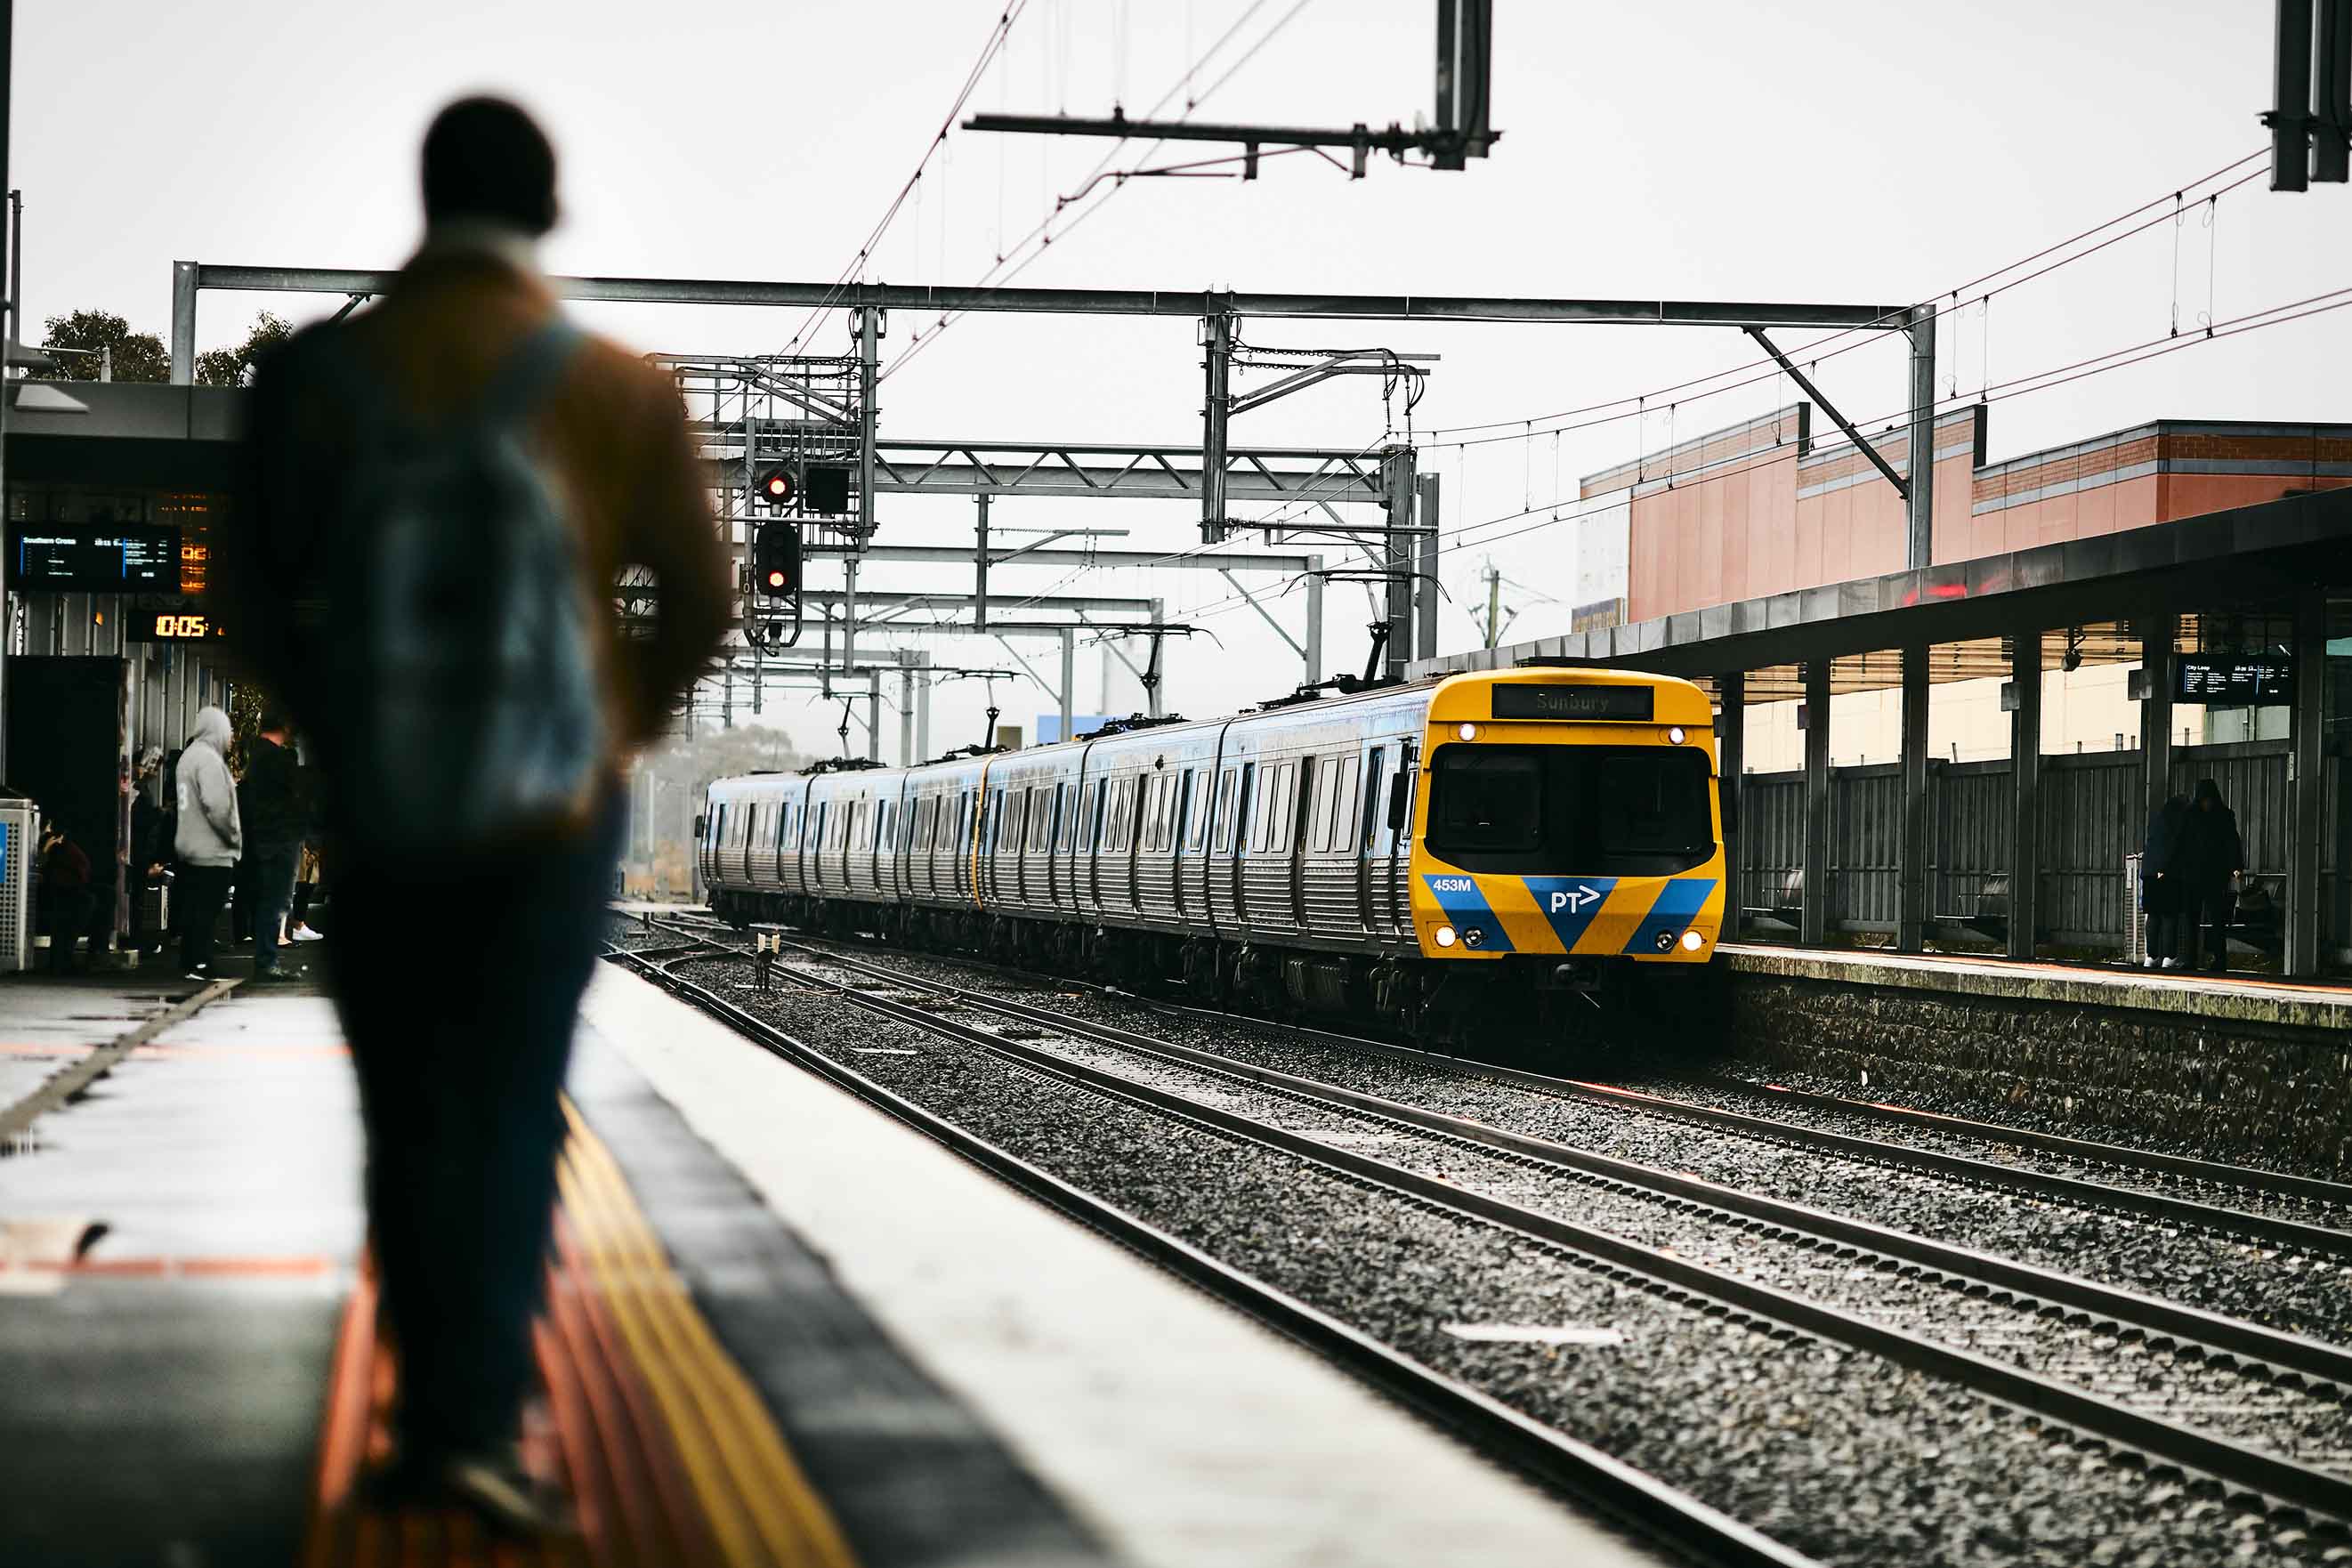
point(1468, 731)
point(1666, 940)
point(1443, 936)
point(1675, 736)
point(1693, 941)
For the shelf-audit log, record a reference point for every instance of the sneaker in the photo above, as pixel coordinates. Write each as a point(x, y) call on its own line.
point(508, 1498)
point(200, 975)
point(304, 933)
point(2171, 963)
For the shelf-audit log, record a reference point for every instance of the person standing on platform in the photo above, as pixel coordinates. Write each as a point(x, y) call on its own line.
point(208, 839)
point(151, 846)
point(2210, 859)
point(444, 487)
point(269, 801)
point(63, 897)
point(2159, 887)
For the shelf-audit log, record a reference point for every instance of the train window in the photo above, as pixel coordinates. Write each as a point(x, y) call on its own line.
point(1222, 819)
point(1041, 821)
point(1343, 801)
point(1194, 833)
point(1164, 813)
point(1244, 811)
point(1372, 777)
point(1062, 814)
point(1326, 774)
point(1595, 810)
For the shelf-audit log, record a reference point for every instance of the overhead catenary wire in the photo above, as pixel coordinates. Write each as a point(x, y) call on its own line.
point(857, 263)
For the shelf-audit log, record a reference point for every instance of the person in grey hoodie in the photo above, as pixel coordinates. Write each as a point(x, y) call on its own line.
point(209, 839)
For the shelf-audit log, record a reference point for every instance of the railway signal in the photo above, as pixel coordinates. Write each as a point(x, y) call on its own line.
point(828, 490)
point(776, 560)
point(776, 488)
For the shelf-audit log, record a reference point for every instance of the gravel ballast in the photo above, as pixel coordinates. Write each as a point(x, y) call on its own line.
point(1845, 1456)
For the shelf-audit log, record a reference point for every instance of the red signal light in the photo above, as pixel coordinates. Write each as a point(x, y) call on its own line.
point(775, 487)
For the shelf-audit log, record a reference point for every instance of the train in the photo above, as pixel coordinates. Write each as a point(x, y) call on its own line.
point(1437, 856)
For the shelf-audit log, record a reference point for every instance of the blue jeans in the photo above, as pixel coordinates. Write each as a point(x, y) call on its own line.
point(461, 1046)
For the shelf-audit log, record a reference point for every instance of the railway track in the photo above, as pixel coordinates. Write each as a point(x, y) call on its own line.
point(1653, 1509)
point(2234, 1371)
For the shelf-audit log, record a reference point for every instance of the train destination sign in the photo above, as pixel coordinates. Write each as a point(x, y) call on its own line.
point(101, 559)
point(1624, 704)
point(2234, 682)
point(171, 625)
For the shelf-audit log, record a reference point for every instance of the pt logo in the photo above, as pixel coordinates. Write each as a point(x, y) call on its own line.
point(1573, 899)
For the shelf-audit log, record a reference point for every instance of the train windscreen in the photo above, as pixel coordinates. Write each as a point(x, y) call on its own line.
point(1621, 811)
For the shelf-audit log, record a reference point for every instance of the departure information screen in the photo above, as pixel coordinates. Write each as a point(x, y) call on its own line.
point(1625, 704)
point(2234, 682)
point(99, 560)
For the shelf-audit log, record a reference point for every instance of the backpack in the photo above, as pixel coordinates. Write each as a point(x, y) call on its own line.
point(463, 658)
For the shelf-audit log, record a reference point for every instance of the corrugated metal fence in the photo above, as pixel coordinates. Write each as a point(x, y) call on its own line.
point(2093, 815)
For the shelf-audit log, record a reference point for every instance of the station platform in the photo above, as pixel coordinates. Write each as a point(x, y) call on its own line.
point(782, 1329)
point(2242, 1067)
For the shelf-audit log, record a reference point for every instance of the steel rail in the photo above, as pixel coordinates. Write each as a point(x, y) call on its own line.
point(2283, 1481)
point(1657, 1511)
point(2314, 1358)
point(2283, 1184)
point(2071, 1189)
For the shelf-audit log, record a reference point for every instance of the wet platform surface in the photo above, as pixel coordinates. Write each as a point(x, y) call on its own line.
point(781, 1329)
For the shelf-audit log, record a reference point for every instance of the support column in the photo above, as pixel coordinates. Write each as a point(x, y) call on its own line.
point(2307, 727)
point(922, 714)
point(1424, 584)
point(907, 758)
point(869, 357)
point(1069, 676)
point(1813, 917)
point(1911, 873)
point(2155, 717)
point(979, 566)
point(1731, 768)
point(183, 323)
point(1919, 509)
point(1396, 480)
point(2025, 777)
point(874, 714)
point(1216, 409)
point(1314, 655)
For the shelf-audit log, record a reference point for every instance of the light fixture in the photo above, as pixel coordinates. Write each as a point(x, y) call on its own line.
point(1693, 941)
point(1674, 734)
point(1468, 731)
point(1443, 935)
point(1665, 941)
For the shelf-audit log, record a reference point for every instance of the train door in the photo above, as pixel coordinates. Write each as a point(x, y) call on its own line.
point(1092, 839)
point(1180, 842)
point(1066, 893)
point(1246, 818)
point(1300, 811)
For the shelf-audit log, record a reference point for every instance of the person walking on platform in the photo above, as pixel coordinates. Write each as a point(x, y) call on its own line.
point(208, 839)
point(2159, 887)
point(269, 801)
point(2209, 860)
point(444, 487)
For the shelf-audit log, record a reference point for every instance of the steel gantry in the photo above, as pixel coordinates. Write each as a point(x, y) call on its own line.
point(1212, 475)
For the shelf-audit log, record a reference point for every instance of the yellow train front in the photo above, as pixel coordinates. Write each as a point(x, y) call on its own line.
point(1568, 822)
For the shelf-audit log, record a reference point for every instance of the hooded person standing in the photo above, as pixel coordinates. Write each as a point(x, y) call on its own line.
point(2211, 856)
point(208, 840)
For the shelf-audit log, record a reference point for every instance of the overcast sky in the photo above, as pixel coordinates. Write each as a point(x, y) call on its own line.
point(1848, 150)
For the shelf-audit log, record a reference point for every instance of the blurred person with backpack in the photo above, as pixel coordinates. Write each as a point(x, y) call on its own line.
point(207, 839)
point(444, 487)
point(2211, 860)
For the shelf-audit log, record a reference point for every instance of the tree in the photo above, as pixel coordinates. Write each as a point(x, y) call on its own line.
point(233, 367)
point(138, 356)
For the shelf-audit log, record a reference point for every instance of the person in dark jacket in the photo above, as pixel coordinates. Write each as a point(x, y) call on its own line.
point(151, 848)
point(2209, 857)
point(2160, 885)
point(64, 898)
point(270, 803)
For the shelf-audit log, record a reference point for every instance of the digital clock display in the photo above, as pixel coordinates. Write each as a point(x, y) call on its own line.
point(173, 626)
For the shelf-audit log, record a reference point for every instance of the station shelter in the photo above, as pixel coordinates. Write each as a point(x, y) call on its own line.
point(1962, 753)
point(116, 498)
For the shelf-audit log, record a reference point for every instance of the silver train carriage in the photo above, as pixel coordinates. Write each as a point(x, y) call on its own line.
point(1416, 853)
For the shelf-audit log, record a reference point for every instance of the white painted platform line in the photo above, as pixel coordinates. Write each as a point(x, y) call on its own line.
point(1181, 1431)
